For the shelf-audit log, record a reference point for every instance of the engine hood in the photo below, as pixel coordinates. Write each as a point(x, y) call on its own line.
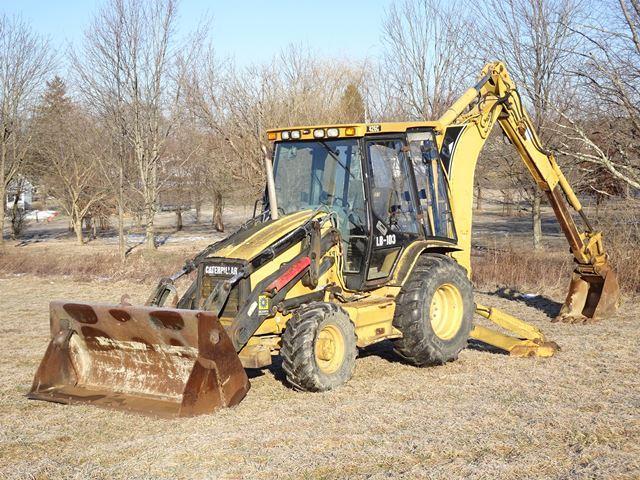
point(247, 244)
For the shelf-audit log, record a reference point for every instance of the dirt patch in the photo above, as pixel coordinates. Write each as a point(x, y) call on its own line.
point(484, 416)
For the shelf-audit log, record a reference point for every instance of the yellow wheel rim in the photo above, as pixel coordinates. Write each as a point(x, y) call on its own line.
point(329, 349)
point(446, 311)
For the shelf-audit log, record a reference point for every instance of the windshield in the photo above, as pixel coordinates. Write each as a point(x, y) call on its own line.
point(311, 174)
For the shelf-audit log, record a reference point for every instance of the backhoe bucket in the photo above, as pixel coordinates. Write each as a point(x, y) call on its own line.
point(591, 297)
point(160, 361)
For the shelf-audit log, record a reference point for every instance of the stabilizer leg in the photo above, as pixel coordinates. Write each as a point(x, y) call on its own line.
point(528, 341)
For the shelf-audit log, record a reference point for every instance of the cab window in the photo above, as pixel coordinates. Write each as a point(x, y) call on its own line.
point(391, 198)
point(432, 186)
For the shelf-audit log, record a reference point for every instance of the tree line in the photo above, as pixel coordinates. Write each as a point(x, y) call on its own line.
point(145, 116)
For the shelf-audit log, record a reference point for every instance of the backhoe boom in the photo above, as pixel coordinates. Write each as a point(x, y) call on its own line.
point(594, 290)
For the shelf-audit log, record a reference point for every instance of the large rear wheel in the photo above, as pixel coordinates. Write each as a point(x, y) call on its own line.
point(434, 312)
point(318, 347)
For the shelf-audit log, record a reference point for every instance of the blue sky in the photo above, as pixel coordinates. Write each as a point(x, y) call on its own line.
point(250, 30)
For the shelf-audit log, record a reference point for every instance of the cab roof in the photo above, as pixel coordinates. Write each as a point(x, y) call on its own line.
point(347, 130)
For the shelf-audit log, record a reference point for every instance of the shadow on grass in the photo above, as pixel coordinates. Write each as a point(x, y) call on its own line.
point(275, 369)
point(546, 305)
point(383, 350)
point(484, 347)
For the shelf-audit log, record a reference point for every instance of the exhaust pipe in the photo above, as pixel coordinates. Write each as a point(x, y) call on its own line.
point(271, 184)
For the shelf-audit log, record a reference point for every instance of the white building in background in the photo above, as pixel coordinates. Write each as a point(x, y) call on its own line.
point(25, 196)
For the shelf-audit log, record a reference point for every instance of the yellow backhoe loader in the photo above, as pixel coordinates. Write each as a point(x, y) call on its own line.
point(365, 235)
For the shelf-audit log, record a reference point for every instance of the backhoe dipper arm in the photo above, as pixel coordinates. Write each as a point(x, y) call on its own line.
point(594, 290)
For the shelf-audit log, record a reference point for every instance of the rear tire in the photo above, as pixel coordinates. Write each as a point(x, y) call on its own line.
point(434, 312)
point(318, 347)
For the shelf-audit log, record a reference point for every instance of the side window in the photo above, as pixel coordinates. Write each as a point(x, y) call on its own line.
point(391, 186)
point(433, 192)
point(448, 145)
point(442, 216)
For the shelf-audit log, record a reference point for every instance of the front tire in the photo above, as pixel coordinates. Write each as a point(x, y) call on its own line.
point(318, 347)
point(434, 312)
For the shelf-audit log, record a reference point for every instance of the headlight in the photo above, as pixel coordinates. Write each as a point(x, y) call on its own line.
point(318, 133)
point(295, 134)
point(333, 132)
point(285, 135)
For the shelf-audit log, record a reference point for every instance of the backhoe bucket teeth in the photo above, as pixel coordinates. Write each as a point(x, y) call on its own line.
point(159, 361)
point(591, 297)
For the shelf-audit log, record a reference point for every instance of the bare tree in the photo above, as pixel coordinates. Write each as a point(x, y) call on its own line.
point(67, 148)
point(235, 107)
point(101, 77)
point(130, 69)
point(25, 61)
point(206, 101)
point(602, 130)
point(535, 39)
point(17, 214)
point(427, 56)
point(191, 143)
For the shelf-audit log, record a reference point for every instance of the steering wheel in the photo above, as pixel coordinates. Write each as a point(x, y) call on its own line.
point(350, 213)
point(344, 209)
point(343, 202)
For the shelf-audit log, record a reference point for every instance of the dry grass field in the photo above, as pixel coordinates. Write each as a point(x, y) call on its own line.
point(576, 415)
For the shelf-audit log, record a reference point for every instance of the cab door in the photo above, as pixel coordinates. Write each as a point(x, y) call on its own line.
point(393, 205)
point(432, 186)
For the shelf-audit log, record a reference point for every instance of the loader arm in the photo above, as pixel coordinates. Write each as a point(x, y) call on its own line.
point(594, 290)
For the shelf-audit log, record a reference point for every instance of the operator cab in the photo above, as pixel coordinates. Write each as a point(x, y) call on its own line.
point(386, 189)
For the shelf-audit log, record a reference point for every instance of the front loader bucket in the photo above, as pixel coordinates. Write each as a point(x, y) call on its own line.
point(159, 361)
point(591, 297)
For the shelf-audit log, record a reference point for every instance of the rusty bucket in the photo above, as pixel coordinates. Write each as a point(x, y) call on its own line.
point(159, 361)
point(591, 297)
